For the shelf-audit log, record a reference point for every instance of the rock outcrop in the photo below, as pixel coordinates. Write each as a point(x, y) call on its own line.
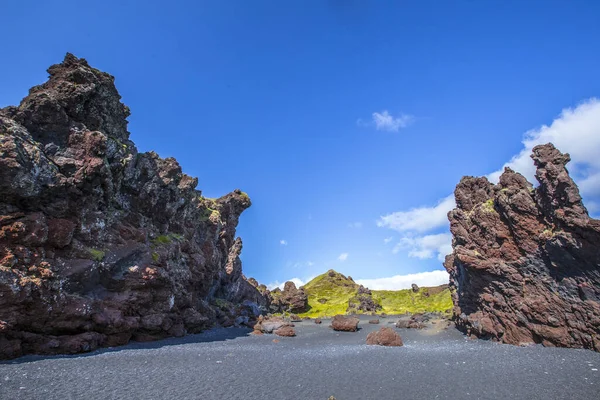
point(526, 261)
point(384, 337)
point(290, 299)
point(362, 302)
point(101, 244)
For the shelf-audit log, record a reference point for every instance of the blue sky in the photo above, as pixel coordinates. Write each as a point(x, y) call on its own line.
point(333, 114)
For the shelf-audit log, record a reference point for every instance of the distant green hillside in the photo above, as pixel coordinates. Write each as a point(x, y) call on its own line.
point(329, 294)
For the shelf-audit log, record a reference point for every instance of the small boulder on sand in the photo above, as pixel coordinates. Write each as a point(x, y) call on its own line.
point(318, 321)
point(295, 318)
point(268, 325)
point(374, 321)
point(287, 331)
point(345, 324)
point(384, 337)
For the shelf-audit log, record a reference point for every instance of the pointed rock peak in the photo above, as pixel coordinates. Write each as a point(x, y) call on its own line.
point(558, 194)
point(77, 98)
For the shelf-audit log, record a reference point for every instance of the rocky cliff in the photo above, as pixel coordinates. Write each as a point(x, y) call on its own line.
point(100, 244)
point(526, 261)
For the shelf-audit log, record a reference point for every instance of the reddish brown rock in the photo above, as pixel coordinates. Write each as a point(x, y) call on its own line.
point(287, 331)
point(344, 323)
point(100, 243)
point(270, 324)
point(318, 321)
point(384, 337)
point(525, 266)
point(290, 299)
point(374, 321)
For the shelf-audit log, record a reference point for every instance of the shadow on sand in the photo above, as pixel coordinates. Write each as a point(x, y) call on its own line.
point(211, 335)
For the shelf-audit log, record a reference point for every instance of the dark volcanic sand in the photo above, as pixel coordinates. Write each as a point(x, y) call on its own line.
point(318, 363)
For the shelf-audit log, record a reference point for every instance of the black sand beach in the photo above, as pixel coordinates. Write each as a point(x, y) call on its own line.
point(318, 363)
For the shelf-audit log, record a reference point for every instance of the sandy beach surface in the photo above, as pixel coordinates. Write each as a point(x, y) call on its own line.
point(318, 363)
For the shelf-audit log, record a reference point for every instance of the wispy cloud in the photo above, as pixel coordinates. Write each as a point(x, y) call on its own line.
point(427, 246)
point(355, 225)
point(297, 281)
point(397, 282)
point(343, 257)
point(575, 131)
point(420, 219)
point(283, 242)
point(384, 121)
point(388, 239)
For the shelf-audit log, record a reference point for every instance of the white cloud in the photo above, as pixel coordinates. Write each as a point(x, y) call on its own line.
point(575, 131)
point(397, 282)
point(343, 257)
point(310, 263)
point(297, 281)
point(421, 219)
point(427, 246)
point(388, 239)
point(384, 121)
point(283, 242)
point(356, 225)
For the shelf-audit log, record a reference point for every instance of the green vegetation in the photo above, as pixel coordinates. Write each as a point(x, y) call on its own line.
point(488, 206)
point(96, 255)
point(337, 290)
point(155, 256)
point(223, 304)
point(330, 293)
point(403, 301)
point(167, 239)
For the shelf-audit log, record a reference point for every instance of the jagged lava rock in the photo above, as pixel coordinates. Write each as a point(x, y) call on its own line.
point(290, 299)
point(525, 266)
point(384, 337)
point(100, 244)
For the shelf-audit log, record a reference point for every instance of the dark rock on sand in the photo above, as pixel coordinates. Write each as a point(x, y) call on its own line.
point(295, 318)
point(101, 244)
point(384, 337)
point(410, 323)
point(287, 331)
point(526, 261)
point(270, 324)
point(344, 323)
point(318, 321)
point(374, 321)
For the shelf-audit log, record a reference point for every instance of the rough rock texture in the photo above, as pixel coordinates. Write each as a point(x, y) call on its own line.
point(526, 261)
point(286, 331)
point(100, 244)
point(290, 299)
point(414, 287)
point(384, 337)
point(270, 324)
point(345, 324)
point(374, 321)
point(415, 321)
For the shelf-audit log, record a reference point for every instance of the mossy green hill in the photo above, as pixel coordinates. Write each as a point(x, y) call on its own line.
point(330, 294)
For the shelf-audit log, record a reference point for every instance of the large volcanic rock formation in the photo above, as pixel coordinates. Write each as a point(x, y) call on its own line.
point(526, 261)
point(100, 244)
point(290, 299)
